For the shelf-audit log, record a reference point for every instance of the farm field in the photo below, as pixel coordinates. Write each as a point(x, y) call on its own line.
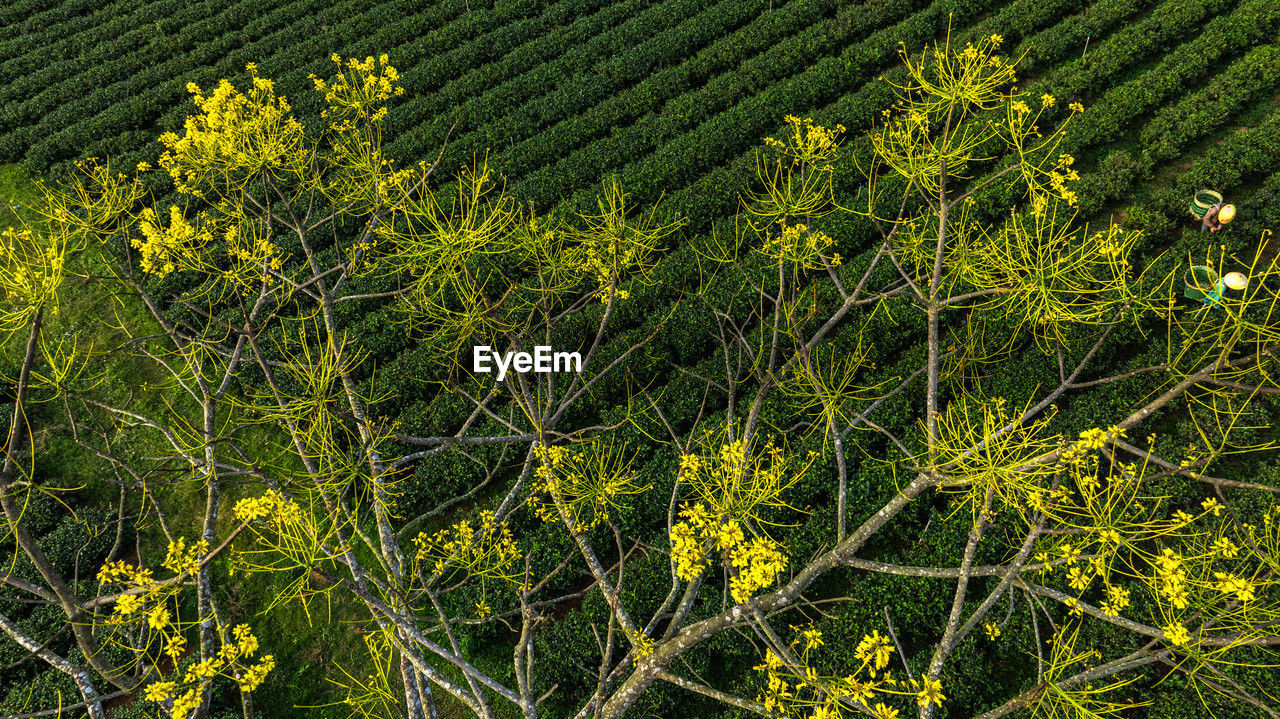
point(675, 101)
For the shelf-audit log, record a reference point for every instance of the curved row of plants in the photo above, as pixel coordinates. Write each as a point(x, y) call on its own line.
point(39, 84)
point(519, 74)
point(1206, 110)
point(757, 56)
point(76, 99)
point(40, 16)
point(734, 132)
point(864, 104)
point(322, 25)
point(598, 69)
point(256, 31)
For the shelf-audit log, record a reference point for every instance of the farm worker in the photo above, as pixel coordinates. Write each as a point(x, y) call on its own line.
point(1210, 210)
point(1204, 284)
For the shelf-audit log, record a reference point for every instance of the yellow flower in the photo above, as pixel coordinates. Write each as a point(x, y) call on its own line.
point(641, 644)
point(256, 674)
point(875, 650)
point(158, 618)
point(1228, 584)
point(185, 704)
point(1226, 548)
point(1177, 634)
point(812, 639)
point(1047, 100)
point(1069, 553)
point(248, 644)
point(992, 630)
point(1077, 579)
point(1076, 107)
point(1212, 505)
point(175, 647)
point(758, 562)
point(206, 669)
point(159, 691)
point(859, 691)
point(1117, 600)
point(1092, 438)
point(128, 604)
point(182, 559)
point(930, 692)
point(729, 536)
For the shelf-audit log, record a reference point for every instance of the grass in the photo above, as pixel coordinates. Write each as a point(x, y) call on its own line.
point(17, 192)
point(304, 645)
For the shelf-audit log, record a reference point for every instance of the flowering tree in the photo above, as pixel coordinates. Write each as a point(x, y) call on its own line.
point(287, 227)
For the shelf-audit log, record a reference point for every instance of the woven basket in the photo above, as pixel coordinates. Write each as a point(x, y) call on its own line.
point(1203, 201)
point(1203, 284)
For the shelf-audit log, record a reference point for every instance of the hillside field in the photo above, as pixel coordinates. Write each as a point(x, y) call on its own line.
point(674, 99)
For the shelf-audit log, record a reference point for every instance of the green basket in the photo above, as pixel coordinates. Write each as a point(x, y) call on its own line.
point(1204, 199)
point(1203, 284)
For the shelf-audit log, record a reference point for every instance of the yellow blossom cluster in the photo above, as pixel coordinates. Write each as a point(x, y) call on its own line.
point(483, 549)
point(291, 534)
point(122, 571)
point(1060, 175)
point(272, 505)
point(584, 484)
point(149, 608)
point(181, 559)
point(1171, 577)
point(1090, 441)
point(1117, 600)
point(738, 482)
point(807, 142)
point(251, 251)
point(145, 599)
point(801, 690)
point(363, 177)
point(642, 644)
point(234, 137)
point(360, 88)
point(732, 488)
point(31, 270)
point(231, 661)
point(756, 562)
point(1187, 562)
point(165, 249)
point(798, 244)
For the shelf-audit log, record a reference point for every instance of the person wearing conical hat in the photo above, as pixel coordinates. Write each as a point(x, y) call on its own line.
point(1204, 284)
point(1209, 208)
